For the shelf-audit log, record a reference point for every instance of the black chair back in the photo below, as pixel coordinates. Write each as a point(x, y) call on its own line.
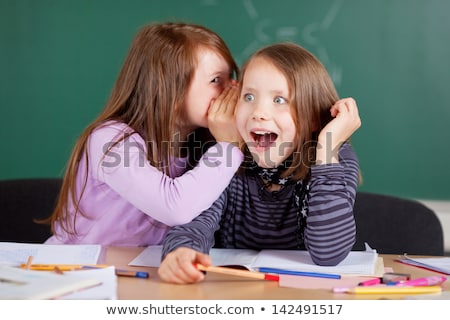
point(393, 225)
point(21, 202)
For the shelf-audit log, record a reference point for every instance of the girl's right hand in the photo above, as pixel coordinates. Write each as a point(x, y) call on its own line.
point(179, 266)
point(221, 121)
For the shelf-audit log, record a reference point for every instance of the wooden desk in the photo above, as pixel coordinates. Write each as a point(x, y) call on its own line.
point(221, 287)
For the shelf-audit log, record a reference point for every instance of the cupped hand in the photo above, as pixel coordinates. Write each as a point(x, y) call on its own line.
point(221, 121)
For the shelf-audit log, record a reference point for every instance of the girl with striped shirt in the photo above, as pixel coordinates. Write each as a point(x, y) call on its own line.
point(297, 187)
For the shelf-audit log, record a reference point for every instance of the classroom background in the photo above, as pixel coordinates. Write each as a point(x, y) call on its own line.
point(59, 60)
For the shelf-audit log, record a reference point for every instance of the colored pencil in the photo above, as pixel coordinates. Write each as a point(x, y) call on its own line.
point(300, 273)
point(62, 267)
point(388, 290)
point(239, 273)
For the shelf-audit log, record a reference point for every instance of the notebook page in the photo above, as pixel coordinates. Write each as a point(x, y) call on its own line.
point(16, 283)
point(151, 257)
point(441, 264)
point(356, 263)
point(233, 257)
point(12, 253)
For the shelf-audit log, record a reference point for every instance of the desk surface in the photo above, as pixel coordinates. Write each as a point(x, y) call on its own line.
point(221, 287)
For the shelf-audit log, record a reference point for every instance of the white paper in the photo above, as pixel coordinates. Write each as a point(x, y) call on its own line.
point(16, 283)
point(107, 290)
point(356, 263)
point(12, 253)
point(441, 264)
point(151, 257)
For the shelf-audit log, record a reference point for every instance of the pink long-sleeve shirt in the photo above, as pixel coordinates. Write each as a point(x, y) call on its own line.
point(128, 202)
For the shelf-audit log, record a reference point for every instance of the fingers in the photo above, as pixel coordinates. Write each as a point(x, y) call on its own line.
point(346, 105)
point(179, 266)
point(347, 110)
point(346, 121)
point(203, 259)
point(221, 122)
point(225, 103)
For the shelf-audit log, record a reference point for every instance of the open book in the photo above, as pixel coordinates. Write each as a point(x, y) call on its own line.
point(14, 254)
point(440, 264)
point(356, 263)
point(16, 283)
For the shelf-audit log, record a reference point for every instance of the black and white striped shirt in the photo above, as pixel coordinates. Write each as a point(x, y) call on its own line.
point(247, 215)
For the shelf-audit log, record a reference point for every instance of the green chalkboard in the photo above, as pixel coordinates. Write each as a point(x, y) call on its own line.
point(59, 60)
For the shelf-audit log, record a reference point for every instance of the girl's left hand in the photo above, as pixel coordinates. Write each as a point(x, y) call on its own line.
point(346, 121)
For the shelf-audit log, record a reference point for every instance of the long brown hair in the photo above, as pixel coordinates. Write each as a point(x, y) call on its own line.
point(312, 95)
point(148, 96)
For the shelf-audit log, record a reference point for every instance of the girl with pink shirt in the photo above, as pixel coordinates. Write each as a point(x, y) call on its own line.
point(148, 162)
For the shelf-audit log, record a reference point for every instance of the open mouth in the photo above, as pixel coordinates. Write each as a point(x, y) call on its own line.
point(263, 139)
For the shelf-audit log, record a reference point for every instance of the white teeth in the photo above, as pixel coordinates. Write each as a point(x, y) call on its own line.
point(261, 132)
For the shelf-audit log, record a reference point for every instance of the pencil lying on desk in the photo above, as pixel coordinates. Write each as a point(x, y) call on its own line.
point(62, 267)
point(389, 290)
point(131, 273)
point(73, 267)
point(300, 273)
point(239, 273)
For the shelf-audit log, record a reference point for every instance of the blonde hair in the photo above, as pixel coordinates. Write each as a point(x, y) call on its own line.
point(148, 96)
point(312, 93)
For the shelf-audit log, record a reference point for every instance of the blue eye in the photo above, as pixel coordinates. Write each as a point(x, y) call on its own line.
point(249, 97)
point(280, 100)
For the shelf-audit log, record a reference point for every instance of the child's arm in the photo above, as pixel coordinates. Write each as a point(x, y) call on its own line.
point(183, 245)
point(172, 201)
point(199, 233)
point(330, 232)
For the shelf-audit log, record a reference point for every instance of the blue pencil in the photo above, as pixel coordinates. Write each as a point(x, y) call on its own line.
point(300, 273)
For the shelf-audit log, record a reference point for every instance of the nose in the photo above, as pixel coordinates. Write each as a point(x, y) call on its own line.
point(260, 112)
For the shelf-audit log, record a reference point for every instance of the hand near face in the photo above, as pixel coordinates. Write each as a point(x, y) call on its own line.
point(221, 122)
point(179, 266)
point(346, 121)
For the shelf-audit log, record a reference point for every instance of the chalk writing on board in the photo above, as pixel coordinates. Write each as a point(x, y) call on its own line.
point(268, 30)
point(309, 37)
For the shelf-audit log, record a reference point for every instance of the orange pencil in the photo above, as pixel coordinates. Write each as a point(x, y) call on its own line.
point(62, 267)
point(240, 273)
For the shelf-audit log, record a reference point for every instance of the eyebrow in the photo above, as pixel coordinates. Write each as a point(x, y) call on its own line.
point(221, 72)
point(274, 92)
point(279, 92)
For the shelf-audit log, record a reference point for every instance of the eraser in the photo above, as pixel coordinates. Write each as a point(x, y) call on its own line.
point(390, 277)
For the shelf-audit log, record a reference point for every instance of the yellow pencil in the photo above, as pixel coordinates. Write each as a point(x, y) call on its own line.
point(389, 290)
